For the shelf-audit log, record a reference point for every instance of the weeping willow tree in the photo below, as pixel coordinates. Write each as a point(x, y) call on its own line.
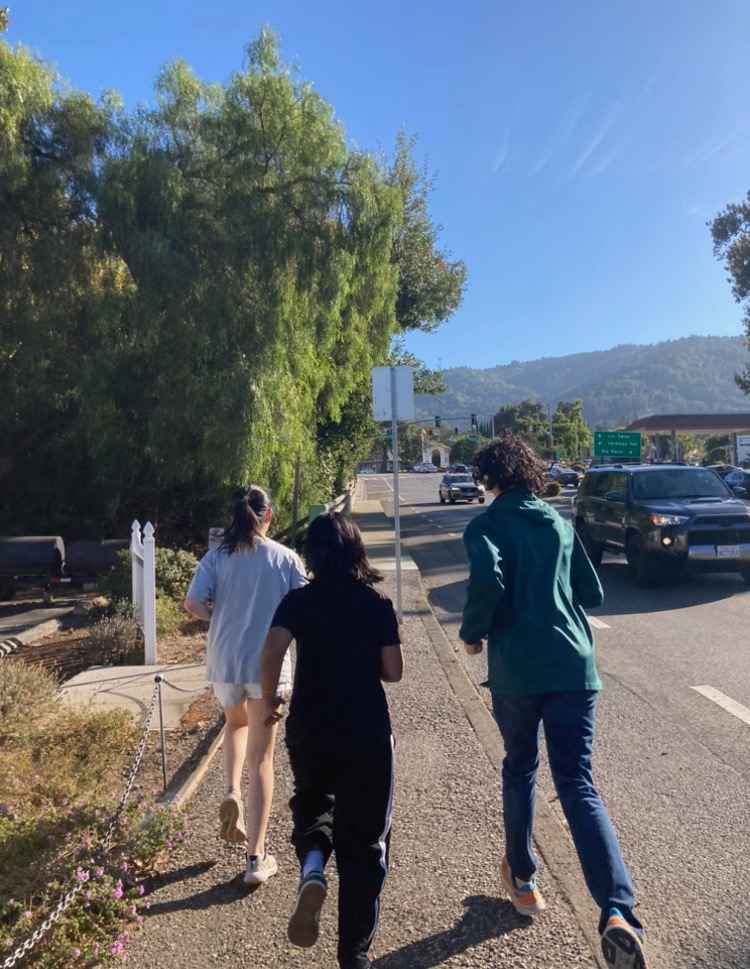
point(227, 269)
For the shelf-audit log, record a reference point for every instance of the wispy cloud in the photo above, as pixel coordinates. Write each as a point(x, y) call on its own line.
point(712, 147)
point(563, 132)
point(604, 162)
point(594, 142)
point(502, 153)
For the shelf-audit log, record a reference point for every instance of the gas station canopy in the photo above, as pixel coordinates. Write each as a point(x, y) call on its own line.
point(692, 424)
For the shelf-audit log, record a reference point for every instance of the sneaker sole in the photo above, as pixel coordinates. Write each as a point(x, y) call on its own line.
point(622, 949)
point(304, 924)
point(260, 877)
point(527, 911)
point(229, 815)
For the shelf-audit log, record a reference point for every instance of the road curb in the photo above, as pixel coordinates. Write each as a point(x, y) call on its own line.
point(550, 837)
point(178, 796)
point(14, 643)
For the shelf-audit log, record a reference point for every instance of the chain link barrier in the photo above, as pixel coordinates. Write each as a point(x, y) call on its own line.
point(65, 900)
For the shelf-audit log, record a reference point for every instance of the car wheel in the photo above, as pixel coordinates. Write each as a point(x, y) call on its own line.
point(593, 549)
point(442, 500)
point(452, 501)
point(7, 588)
point(481, 501)
point(640, 568)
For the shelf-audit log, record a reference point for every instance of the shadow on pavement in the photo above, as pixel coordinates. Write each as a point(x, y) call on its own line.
point(622, 597)
point(484, 918)
point(222, 893)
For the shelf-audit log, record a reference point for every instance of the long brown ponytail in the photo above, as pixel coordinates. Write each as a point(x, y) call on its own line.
point(250, 508)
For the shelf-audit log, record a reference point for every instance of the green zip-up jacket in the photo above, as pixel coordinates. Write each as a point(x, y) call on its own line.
point(529, 582)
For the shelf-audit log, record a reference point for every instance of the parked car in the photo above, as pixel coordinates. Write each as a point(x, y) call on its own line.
point(565, 476)
point(425, 468)
point(458, 469)
point(460, 487)
point(666, 519)
point(734, 477)
point(33, 561)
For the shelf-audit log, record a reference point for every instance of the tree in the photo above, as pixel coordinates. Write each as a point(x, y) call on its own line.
point(731, 237)
point(426, 381)
point(570, 433)
point(4, 19)
point(430, 283)
point(527, 418)
point(465, 447)
point(717, 449)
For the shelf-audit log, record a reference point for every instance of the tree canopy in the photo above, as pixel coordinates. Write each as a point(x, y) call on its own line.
point(192, 294)
point(731, 235)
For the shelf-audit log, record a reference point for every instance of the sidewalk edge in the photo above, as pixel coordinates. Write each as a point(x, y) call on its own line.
point(179, 796)
point(559, 856)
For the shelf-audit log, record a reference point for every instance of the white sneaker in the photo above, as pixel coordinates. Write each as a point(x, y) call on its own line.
point(232, 820)
point(259, 870)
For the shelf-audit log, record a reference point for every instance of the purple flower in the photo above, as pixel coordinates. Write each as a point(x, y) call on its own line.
point(118, 949)
point(140, 920)
point(27, 914)
point(81, 875)
point(123, 866)
point(118, 892)
point(141, 889)
point(76, 953)
point(99, 872)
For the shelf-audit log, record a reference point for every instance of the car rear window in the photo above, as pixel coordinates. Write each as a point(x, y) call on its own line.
point(679, 483)
point(459, 479)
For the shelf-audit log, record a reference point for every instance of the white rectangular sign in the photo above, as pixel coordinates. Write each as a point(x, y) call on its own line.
point(381, 393)
point(743, 448)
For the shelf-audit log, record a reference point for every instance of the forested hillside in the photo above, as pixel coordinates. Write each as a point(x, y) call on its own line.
point(694, 374)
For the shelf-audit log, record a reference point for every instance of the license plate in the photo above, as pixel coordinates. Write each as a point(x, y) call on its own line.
point(727, 551)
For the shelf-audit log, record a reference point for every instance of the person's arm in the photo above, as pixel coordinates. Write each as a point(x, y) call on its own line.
point(391, 663)
point(202, 588)
point(298, 576)
point(583, 578)
point(486, 588)
point(277, 643)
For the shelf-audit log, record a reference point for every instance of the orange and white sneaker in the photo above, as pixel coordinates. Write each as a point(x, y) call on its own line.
point(622, 945)
point(525, 896)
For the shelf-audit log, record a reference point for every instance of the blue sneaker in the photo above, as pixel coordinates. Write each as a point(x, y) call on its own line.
point(304, 923)
point(622, 944)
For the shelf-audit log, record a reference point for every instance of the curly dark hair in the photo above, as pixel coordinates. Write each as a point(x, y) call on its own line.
point(334, 550)
point(509, 462)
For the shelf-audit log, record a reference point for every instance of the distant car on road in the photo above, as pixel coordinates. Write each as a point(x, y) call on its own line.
point(667, 519)
point(425, 468)
point(565, 476)
point(458, 469)
point(460, 487)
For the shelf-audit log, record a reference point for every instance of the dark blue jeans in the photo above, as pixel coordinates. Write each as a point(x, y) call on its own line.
point(568, 720)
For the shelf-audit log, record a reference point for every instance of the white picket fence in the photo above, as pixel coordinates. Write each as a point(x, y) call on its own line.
point(143, 564)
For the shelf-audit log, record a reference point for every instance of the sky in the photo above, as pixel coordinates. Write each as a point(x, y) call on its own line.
point(579, 146)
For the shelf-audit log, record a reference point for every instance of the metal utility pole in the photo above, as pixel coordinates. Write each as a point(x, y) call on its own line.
point(396, 492)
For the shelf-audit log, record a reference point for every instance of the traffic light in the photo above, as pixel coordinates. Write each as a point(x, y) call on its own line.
point(474, 421)
point(455, 430)
point(437, 422)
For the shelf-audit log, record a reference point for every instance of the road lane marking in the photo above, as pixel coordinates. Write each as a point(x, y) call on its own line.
point(597, 623)
point(724, 701)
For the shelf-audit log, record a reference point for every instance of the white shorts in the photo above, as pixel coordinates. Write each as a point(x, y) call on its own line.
point(232, 694)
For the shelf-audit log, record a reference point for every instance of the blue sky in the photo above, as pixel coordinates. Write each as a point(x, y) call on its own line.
point(579, 145)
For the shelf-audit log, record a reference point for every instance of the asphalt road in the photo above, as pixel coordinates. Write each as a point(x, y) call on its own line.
point(673, 763)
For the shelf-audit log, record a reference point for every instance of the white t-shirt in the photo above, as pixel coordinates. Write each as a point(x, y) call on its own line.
point(245, 587)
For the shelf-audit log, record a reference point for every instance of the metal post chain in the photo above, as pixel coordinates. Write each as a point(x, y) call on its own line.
point(64, 902)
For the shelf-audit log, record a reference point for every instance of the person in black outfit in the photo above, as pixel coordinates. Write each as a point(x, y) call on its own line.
point(338, 732)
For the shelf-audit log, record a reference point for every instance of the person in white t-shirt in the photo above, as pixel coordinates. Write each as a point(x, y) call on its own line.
point(245, 579)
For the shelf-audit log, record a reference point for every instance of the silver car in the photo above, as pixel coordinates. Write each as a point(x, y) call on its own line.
point(460, 487)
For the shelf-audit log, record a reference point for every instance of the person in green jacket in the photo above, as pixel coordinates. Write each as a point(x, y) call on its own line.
point(529, 584)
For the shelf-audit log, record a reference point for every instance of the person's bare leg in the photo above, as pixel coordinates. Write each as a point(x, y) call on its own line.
point(235, 748)
point(260, 747)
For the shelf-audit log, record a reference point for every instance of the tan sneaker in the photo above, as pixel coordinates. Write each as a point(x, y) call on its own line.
point(259, 869)
point(232, 820)
point(524, 896)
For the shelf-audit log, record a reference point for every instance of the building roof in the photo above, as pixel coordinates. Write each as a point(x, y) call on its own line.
point(692, 423)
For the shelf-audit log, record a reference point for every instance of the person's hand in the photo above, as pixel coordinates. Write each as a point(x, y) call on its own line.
point(275, 709)
point(474, 649)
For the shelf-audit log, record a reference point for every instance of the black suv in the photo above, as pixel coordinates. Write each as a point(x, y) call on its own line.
point(665, 518)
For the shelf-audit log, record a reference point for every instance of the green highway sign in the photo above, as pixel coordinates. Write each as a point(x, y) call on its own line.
point(617, 444)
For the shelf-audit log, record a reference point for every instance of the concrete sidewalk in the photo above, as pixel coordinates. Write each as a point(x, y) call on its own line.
point(442, 905)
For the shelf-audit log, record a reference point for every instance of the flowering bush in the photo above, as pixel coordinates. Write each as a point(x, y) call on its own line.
point(60, 773)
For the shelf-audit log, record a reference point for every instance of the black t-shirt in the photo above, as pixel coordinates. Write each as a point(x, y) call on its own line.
point(340, 628)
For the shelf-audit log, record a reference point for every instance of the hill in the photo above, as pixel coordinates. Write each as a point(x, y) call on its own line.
point(694, 374)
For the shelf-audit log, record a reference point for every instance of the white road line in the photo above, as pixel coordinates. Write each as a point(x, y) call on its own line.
point(597, 623)
point(725, 702)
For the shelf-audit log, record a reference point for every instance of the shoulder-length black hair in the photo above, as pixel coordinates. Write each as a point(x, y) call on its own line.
point(334, 550)
point(250, 508)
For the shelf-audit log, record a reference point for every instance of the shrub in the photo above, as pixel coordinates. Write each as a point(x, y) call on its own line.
point(116, 638)
point(174, 570)
point(553, 489)
point(28, 697)
point(169, 616)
